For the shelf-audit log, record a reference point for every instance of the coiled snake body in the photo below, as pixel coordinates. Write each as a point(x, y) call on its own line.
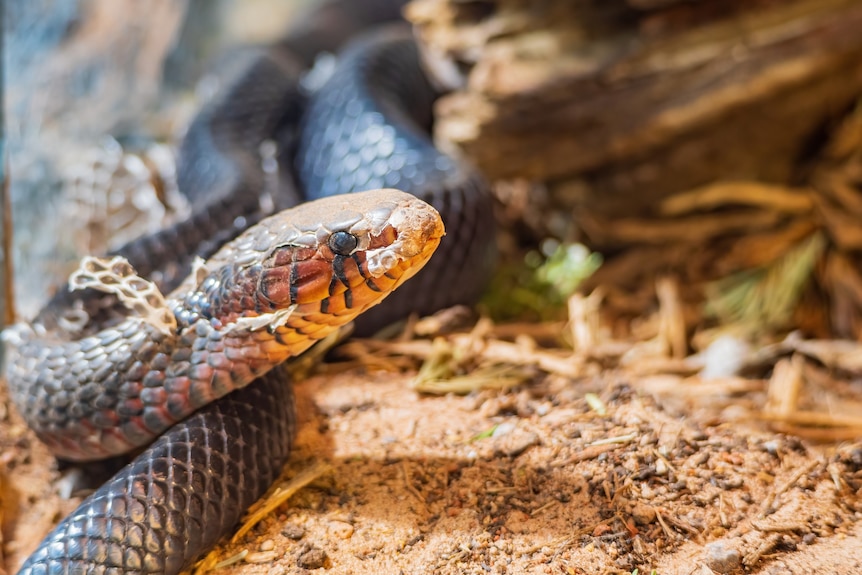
point(113, 365)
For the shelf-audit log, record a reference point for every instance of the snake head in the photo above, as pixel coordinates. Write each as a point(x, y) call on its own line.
point(327, 260)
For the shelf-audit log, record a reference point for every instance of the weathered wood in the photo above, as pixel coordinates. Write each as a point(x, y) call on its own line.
point(691, 139)
point(641, 99)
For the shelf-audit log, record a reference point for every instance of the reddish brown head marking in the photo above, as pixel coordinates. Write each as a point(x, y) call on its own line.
point(333, 257)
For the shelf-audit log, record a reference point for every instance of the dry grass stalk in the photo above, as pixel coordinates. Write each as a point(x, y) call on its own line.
point(585, 320)
point(784, 386)
point(836, 354)
point(693, 229)
point(742, 193)
point(672, 332)
point(277, 496)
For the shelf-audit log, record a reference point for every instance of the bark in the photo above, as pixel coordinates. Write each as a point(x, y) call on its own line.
point(709, 140)
point(641, 99)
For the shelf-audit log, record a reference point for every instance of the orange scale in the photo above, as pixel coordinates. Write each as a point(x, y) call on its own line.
point(290, 337)
point(312, 278)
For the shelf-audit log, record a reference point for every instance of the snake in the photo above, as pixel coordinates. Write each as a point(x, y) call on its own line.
point(173, 346)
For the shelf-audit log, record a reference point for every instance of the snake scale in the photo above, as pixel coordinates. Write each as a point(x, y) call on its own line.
point(267, 264)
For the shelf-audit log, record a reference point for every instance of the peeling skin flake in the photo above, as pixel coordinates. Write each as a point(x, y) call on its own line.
point(270, 321)
point(117, 276)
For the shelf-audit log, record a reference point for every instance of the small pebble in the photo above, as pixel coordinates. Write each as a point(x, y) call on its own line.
point(643, 514)
point(723, 358)
point(697, 435)
point(698, 459)
point(341, 529)
point(722, 558)
point(313, 558)
point(503, 429)
point(293, 531)
point(771, 447)
point(647, 439)
point(514, 444)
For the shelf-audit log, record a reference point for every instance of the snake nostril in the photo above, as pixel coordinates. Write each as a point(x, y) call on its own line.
point(343, 243)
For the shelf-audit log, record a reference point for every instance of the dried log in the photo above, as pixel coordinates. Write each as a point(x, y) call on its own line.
point(641, 99)
point(683, 138)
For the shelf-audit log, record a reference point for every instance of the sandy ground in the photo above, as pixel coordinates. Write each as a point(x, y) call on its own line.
point(531, 480)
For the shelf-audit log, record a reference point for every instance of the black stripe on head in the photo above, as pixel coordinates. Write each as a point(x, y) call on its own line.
point(369, 281)
point(355, 257)
point(338, 270)
point(294, 283)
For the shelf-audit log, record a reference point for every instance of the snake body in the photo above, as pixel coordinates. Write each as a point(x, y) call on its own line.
point(117, 379)
point(177, 498)
point(266, 296)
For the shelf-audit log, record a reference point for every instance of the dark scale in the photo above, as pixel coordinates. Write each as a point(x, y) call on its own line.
point(224, 291)
point(338, 275)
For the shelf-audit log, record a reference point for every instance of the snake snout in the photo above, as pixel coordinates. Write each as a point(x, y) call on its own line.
point(413, 229)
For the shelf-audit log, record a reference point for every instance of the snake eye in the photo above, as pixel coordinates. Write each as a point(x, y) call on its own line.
point(343, 243)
